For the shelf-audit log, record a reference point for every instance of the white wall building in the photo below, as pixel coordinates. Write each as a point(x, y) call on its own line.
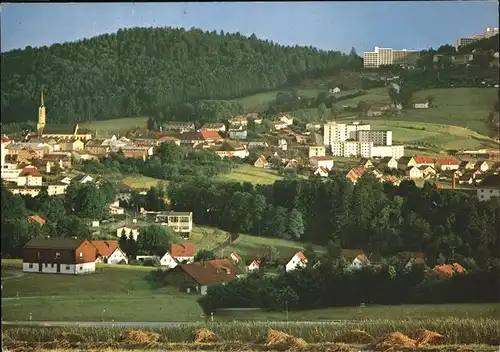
point(353, 129)
point(382, 151)
point(349, 149)
point(334, 132)
point(298, 261)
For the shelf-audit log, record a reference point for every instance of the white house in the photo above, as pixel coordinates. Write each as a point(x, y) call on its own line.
point(286, 119)
point(183, 253)
point(129, 231)
point(414, 172)
point(169, 261)
point(253, 266)
point(66, 180)
point(388, 162)
point(335, 90)
point(321, 171)
point(317, 150)
point(322, 161)
point(279, 125)
point(421, 105)
point(109, 252)
point(238, 134)
point(297, 261)
point(282, 144)
point(115, 209)
point(489, 188)
point(83, 178)
point(359, 262)
point(235, 257)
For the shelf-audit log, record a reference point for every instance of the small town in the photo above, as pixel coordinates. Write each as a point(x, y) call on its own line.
point(251, 195)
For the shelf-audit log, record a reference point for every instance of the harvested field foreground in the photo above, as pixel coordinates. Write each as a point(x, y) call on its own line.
point(373, 335)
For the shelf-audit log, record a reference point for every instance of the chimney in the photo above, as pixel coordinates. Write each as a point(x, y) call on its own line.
point(453, 181)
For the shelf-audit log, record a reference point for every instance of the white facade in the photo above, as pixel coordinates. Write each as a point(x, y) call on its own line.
point(322, 172)
point(421, 105)
point(282, 144)
point(236, 134)
point(485, 194)
point(377, 137)
point(287, 119)
point(350, 149)
point(10, 172)
point(56, 189)
point(117, 256)
point(168, 261)
point(294, 263)
point(317, 150)
point(357, 264)
point(254, 266)
point(71, 269)
point(325, 162)
point(382, 151)
point(415, 172)
point(388, 56)
point(334, 132)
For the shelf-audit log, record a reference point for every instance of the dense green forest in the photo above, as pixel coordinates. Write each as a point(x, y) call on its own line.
point(145, 71)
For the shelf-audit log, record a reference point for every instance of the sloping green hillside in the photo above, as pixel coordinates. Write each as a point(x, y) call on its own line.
point(143, 71)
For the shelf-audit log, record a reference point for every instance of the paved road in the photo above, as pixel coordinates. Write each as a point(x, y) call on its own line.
point(14, 275)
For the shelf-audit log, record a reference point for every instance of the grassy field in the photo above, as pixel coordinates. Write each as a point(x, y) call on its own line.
point(249, 173)
point(204, 237)
point(441, 135)
point(123, 125)
point(142, 181)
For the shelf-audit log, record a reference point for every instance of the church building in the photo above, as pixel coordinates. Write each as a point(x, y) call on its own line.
point(62, 131)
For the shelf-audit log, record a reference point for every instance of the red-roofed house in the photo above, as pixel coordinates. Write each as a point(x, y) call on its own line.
point(360, 261)
point(447, 164)
point(178, 253)
point(261, 162)
point(29, 176)
point(423, 161)
point(447, 269)
point(109, 252)
point(253, 266)
point(210, 136)
point(297, 261)
point(235, 257)
point(321, 171)
point(37, 219)
point(355, 174)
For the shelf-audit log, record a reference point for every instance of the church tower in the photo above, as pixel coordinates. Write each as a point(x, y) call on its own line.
point(41, 116)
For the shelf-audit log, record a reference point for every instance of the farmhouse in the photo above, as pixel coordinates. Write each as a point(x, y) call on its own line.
point(447, 164)
point(360, 261)
point(178, 253)
point(297, 261)
point(414, 172)
point(109, 252)
point(235, 257)
point(200, 275)
point(427, 171)
point(321, 171)
point(253, 266)
point(261, 162)
point(177, 221)
point(59, 256)
point(424, 161)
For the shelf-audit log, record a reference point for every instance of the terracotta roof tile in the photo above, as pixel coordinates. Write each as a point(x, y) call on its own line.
point(447, 161)
point(182, 250)
point(210, 272)
point(105, 248)
point(423, 160)
point(30, 171)
point(210, 135)
point(38, 219)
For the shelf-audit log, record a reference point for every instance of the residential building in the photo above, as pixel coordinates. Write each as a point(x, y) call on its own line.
point(199, 276)
point(29, 176)
point(414, 172)
point(178, 126)
point(313, 126)
point(388, 56)
point(31, 191)
point(128, 231)
point(230, 150)
point(239, 121)
point(5, 142)
point(467, 165)
point(490, 32)
point(489, 188)
point(366, 163)
point(352, 130)
point(481, 166)
point(447, 270)
point(183, 253)
point(297, 261)
point(279, 125)
point(424, 161)
point(465, 41)
point(177, 221)
point(428, 171)
point(253, 266)
point(83, 178)
point(282, 144)
point(321, 171)
point(238, 134)
point(351, 149)
point(321, 161)
point(462, 59)
point(59, 256)
point(378, 137)
point(445, 164)
point(109, 252)
point(137, 152)
point(388, 162)
point(217, 126)
point(261, 162)
point(405, 162)
point(334, 132)
point(71, 145)
point(355, 174)
point(10, 172)
point(235, 257)
point(57, 188)
point(317, 150)
point(286, 118)
point(360, 261)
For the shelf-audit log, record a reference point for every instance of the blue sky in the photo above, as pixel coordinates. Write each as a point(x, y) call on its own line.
point(325, 25)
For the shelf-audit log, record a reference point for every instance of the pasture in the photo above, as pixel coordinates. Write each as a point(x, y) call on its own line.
point(140, 181)
point(106, 128)
point(252, 174)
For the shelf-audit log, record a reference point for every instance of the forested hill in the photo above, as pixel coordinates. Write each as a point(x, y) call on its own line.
point(143, 71)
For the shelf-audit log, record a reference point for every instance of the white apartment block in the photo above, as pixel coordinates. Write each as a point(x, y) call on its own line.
point(351, 149)
point(377, 137)
point(389, 56)
point(353, 128)
point(394, 151)
point(334, 132)
point(488, 33)
point(317, 150)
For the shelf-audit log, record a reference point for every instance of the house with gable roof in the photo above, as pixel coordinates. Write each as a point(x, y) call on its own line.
point(297, 261)
point(199, 276)
point(405, 162)
point(321, 171)
point(178, 254)
point(37, 219)
point(447, 270)
point(253, 266)
point(360, 261)
point(261, 162)
point(447, 164)
point(109, 252)
point(235, 257)
point(29, 176)
point(424, 161)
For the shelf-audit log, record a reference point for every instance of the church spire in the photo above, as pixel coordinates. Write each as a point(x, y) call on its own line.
point(42, 98)
point(41, 115)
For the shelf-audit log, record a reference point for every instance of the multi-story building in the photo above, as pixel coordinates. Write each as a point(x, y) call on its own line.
point(388, 56)
point(316, 150)
point(465, 41)
point(334, 132)
point(377, 137)
point(349, 149)
point(490, 32)
point(383, 151)
point(177, 221)
point(352, 129)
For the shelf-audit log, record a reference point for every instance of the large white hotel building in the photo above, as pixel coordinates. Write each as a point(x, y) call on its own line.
point(387, 56)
